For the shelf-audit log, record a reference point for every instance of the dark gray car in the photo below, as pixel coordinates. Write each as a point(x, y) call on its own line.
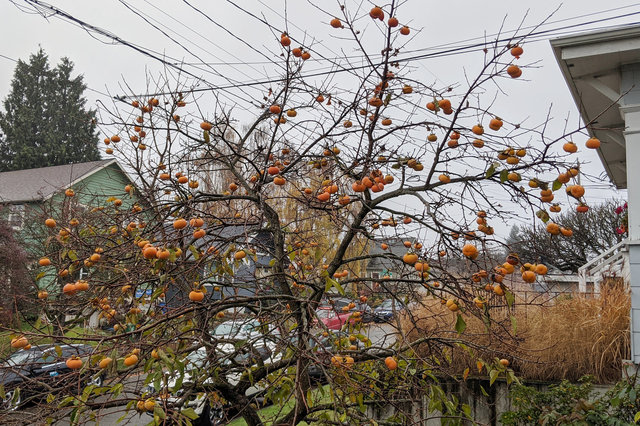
point(386, 311)
point(26, 374)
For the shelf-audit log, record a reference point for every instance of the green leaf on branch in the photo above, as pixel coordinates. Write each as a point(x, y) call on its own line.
point(117, 389)
point(491, 170)
point(543, 215)
point(556, 185)
point(461, 326)
point(194, 251)
point(484, 392)
point(493, 376)
point(466, 409)
point(72, 255)
point(504, 175)
point(330, 282)
point(189, 413)
point(159, 412)
point(509, 297)
point(67, 401)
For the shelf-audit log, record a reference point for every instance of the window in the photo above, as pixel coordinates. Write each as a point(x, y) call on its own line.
point(16, 216)
point(375, 275)
point(83, 274)
point(75, 209)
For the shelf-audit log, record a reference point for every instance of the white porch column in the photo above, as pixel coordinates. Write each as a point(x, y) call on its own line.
point(631, 116)
point(630, 109)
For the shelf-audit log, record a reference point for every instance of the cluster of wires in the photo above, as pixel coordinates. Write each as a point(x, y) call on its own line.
point(198, 46)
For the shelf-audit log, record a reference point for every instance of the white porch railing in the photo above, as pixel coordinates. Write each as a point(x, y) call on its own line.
point(613, 262)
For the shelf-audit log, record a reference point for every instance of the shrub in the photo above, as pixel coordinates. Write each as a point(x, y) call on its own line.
point(568, 403)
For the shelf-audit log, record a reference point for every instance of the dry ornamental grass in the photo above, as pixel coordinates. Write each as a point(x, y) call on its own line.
point(574, 336)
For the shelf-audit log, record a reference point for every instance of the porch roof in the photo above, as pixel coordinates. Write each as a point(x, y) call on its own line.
point(591, 65)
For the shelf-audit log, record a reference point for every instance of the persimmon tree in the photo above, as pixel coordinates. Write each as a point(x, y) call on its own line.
point(254, 204)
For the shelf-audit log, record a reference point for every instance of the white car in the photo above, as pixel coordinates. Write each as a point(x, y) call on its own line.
point(253, 347)
point(247, 331)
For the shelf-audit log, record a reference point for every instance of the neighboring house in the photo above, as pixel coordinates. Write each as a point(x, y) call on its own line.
point(557, 282)
point(22, 190)
point(602, 70)
point(248, 276)
point(27, 197)
point(380, 267)
point(386, 270)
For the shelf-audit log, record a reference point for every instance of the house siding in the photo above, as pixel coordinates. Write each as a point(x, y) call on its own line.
point(91, 192)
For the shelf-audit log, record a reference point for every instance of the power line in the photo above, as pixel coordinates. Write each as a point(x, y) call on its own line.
point(8, 58)
point(147, 18)
point(319, 73)
point(206, 39)
point(40, 5)
point(437, 46)
point(537, 36)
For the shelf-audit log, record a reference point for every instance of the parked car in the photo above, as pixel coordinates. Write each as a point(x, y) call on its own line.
point(332, 319)
point(197, 372)
point(249, 331)
point(238, 344)
point(387, 310)
point(246, 328)
point(26, 373)
point(366, 311)
point(337, 303)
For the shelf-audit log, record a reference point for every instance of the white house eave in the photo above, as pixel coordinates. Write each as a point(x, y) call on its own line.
point(593, 37)
point(566, 74)
point(586, 60)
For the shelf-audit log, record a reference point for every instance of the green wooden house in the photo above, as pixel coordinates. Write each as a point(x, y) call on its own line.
point(27, 197)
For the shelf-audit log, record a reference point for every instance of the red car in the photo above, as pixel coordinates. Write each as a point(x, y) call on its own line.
point(331, 319)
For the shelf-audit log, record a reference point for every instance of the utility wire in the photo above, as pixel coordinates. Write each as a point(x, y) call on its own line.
point(333, 71)
point(10, 59)
point(537, 36)
point(440, 46)
point(148, 20)
point(54, 11)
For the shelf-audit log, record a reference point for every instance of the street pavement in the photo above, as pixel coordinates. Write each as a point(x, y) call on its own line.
point(382, 335)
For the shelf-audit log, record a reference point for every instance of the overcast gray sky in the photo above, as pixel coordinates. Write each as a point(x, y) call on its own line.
point(207, 34)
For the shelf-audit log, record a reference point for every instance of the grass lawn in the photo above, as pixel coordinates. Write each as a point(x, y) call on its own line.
point(272, 412)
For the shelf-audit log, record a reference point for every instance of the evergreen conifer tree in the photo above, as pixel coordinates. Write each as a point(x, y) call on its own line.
point(45, 121)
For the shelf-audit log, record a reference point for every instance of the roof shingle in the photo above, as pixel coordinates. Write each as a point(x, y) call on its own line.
point(39, 184)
